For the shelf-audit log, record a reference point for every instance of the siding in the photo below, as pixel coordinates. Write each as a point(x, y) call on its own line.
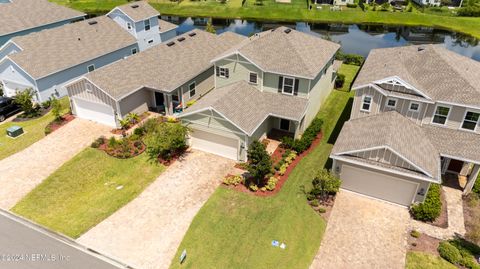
point(398, 88)
point(402, 107)
point(357, 102)
point(262, 130)
point(385, 156)
point(137, 102)
point(78, 90)
point(204, 83)
point(238, 70)
point(168, 35)
point(213, 120)
point(270, 84)
point(455, 118)
point(143, 36)
point(14, 78)
point(322, 86)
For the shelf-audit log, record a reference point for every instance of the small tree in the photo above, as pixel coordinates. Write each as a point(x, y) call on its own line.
point(56, 108)
point(210, 27)
point(25, 100)
point(324, 184)
point(259, 161)
point(166, 140)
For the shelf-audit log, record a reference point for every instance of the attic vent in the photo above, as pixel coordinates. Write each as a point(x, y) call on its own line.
point(181, 39)
point(171, 43)
point(287, 31)
point(192, 34)
point(134, 6)
point(92, 22)
point(421, 48)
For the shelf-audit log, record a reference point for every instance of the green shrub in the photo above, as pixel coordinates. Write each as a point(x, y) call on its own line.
point(314, 203)
point(112, 142)
point(471, 11)
point(287, 142)
point(353, 59)
point(232, 180)
point(468, 251)
point(140, 131)
point(339, 81)
point(325, 184)
point(56, 108)
point(253, 187)
point(166, 140)
point(259, 161)
point(449, 252)
point(25, 100)
point(476, 187)
point(352, 5)
point(431, 208)
point(271, 183)
point(322, 210)
point(415, 234)
point(48, 130)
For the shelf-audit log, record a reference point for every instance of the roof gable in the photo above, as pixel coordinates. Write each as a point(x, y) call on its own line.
point(137, 11)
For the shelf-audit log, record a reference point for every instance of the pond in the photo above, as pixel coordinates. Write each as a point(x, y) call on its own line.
point(354, 38)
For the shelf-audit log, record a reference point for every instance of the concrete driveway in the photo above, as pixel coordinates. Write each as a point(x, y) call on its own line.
point(147, 232)
point(363, 233)
point(21, 172)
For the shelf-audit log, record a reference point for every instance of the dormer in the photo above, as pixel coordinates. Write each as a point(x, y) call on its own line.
point(139, 19)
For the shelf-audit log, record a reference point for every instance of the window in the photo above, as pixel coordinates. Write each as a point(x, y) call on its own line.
point(147, 24)
point(175, 98)
point(288, 85)
point(366, 103)
point(91, 68)
point(223, 72)
point(129, 26)
point(134, 51)
point(253, 78)
point(191, 89)
point(150, 41)
point(88, 87)
point(284, 125)
point(470, 121)
point(391, 103)
point(441, 115)
point(414, 107)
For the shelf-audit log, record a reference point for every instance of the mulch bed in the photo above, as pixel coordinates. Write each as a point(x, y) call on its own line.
point(116, 152)
point(424, 243)
point(142, 116)
point(327, 205)
point(55, 125)
point(41, 111)
point(174, 158)
point(281, 179)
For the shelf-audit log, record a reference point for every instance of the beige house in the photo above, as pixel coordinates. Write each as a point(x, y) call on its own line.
point(414, 121)
point(272, 82)
point(161, 79)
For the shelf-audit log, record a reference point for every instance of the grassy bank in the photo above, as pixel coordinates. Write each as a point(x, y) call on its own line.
point(416, 260)
point(296, 11)
point(86, 190)
point(234, 230)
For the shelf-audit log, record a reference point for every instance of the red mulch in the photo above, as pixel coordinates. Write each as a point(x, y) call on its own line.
point(424, 243)
point(55, 125)
point(114, 152)
point(281, 179)
point(122, 131)
point(327, 205)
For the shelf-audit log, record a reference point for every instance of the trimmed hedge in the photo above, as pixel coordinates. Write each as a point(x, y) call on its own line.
point(302, 144)
point(472, 11)
point(449, 252)
point(431, 208)
point(351, 58)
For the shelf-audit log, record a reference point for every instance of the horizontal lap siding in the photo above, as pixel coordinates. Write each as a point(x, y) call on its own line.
point(138, 102)
point(357, 102)
point(204, 83)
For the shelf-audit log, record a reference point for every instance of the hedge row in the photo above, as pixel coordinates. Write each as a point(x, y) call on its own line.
point(302, 144)
point(431, 208)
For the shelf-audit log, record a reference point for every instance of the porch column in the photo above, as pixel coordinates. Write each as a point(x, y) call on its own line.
point(297, 129)
point(471, 180)
point(168, 104)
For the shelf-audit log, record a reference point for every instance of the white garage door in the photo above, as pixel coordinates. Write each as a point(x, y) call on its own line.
point(94, 111)
point(378, 185)
point(217, 144)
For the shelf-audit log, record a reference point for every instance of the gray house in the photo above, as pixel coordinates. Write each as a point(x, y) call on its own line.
point(414, 121)
point(162, 79)
point(272, 82)
point(141, 20)
point(21, 17)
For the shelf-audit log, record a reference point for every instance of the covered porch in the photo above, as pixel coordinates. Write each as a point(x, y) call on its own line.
point(459, 174)
point(164, 103)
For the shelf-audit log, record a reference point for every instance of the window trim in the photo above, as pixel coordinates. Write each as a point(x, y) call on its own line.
point(293, 86)
point(145, 25)
point(463, 121)
point(410, 106)
point(435, 111)
point(224, 70)
point(194, 89)
point(391, 99)
point(369, 105)
point(256, 78)
point(134, 49)
point(88, 68)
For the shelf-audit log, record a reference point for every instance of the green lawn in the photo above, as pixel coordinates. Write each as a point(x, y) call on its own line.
point(234, 230)
point(34, 131)
point(83, 192)
point(296, 11)
point(419, 260)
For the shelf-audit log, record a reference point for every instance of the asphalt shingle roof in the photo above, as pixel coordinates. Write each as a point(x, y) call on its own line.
point(56, 49)
point(20, 15)
point(286, 51)
point(163, 67)
point(440, 73)
point(165, 26)
point(139, 10)
point(247, 107)
point(390, 129)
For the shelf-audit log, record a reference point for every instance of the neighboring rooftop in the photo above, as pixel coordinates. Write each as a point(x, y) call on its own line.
point(165, 26)
point(286, 51)
point(247, 107)
point(20, 15)
point(390, 129)
point(138, 11)
point(440, 73)
point(56, 49)
point(170, 64)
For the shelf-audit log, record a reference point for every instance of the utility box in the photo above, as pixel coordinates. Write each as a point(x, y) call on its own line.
point(15, 131)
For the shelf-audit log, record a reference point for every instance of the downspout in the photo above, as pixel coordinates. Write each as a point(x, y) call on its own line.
point(118, 113)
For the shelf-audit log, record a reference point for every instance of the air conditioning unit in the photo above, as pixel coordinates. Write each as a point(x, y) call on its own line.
point(15, 131)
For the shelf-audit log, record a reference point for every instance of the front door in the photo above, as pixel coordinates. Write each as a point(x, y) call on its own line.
point(159, 99)
point(284, 125)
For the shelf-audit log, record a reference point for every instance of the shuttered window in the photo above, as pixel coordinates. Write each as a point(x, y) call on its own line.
point(222, 72)
point(191, 89)
point(470, 121)
point(288, 85)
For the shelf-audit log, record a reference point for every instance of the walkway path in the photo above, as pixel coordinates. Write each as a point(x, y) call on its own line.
point(456, 222)
point(147, 232)
point(21, 172)
point(363, 233)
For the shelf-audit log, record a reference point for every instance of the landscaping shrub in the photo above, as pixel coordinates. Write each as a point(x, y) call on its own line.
point(325, 184)
point(48, 130)
point(349, 58)
point(140, 131)
point(468, 251)
point(166, 140)
point(56, 108)
point(352, 5)
point(46, 104)
point(259, 161)
point(302, 144)
point(25, 100)
point(314, 203)
point(150, 125)
point(476, 187)
point(415, 234)
point(322, 210)
point(232, 180)
point(471, 11)
point(253, 187)
point(112, 142)
point(339, 81)
point(449, 252)
point(271, 183)
point(431, 208)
